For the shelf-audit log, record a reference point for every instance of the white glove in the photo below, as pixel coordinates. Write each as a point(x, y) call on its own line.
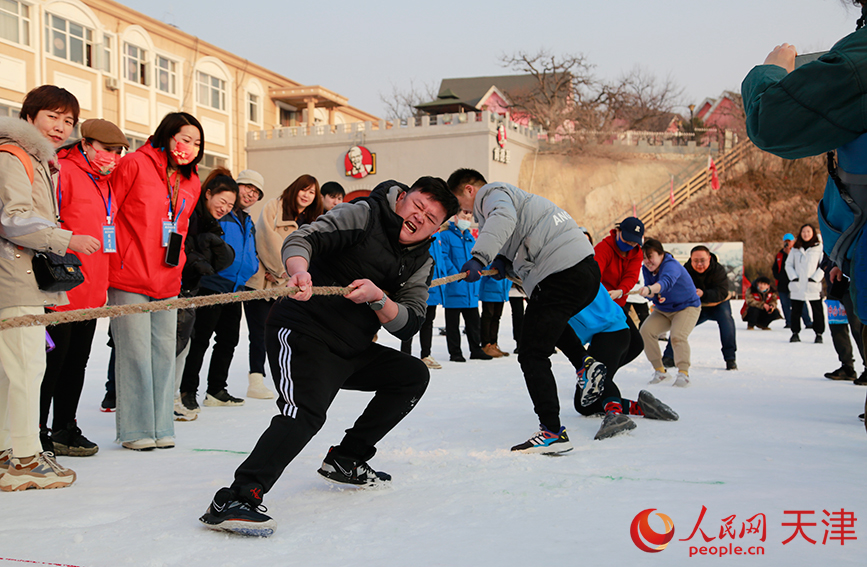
point(616, 293)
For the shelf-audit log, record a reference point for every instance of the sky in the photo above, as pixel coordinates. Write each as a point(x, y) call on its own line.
point(363, 50)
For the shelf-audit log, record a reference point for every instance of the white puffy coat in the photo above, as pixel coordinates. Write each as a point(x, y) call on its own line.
point(805, 275)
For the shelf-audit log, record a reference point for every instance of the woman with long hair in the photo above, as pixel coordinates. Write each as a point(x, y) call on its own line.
point(299, 204)
point(805, 281)
point(156, 188)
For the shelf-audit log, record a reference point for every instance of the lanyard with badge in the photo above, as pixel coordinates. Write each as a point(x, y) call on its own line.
point(171, 238)
point(109, 240)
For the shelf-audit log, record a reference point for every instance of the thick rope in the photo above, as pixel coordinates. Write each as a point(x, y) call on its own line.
point(112, 311)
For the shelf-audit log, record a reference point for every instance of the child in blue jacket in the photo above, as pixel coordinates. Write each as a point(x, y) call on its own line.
point(614, 342)
point(461, 297)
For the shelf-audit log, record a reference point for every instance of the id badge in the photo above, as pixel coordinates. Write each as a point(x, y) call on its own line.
point(168, 228)
point(109, 243)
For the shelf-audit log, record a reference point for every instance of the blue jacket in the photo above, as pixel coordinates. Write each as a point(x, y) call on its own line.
point(677, 287)
point(239, 232)
point(601, 316)
point(435, 295)
point(494, 291)
point(457, 248)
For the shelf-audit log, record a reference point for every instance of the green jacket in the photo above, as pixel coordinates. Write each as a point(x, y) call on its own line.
point(815, 108)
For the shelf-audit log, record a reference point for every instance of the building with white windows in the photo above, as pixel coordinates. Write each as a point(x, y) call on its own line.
point(131, 69)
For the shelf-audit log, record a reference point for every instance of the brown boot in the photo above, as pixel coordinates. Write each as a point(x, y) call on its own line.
point(492, 351)
point(501, 351)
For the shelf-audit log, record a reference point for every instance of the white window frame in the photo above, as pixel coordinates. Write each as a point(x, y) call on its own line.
point(86, 40)
point(254, 107)
point(171, 72)
point(207, 88)
point(25, 23)
point(140, 60)
point(107, 46)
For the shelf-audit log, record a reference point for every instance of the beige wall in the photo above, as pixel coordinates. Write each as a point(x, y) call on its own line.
point(404, 154)
point(137, 108)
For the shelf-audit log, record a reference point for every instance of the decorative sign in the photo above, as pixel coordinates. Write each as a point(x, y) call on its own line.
point(501, 154)
point(359, 162)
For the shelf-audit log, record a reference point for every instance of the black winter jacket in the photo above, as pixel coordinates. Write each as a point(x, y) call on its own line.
point(357, 240)
point(713, 283)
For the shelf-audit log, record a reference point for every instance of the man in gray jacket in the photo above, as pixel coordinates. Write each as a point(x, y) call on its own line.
point(529, 237)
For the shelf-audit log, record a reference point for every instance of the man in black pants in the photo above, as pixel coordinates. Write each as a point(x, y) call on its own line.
point(375, 246)
point(534, 240)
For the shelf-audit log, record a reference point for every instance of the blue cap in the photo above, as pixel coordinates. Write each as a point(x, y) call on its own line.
point(632, 230)
point(788, 236)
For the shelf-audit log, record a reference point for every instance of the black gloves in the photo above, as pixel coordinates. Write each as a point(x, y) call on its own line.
point(473, 269)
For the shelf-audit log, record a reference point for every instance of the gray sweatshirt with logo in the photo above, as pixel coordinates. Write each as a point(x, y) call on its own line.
point(537, 236)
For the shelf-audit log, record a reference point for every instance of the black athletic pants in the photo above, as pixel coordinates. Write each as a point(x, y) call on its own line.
point(425, 334)
point(64, 371)
point(490, 323)
point(840, 335)
point(453, 330)
point(546, 324)
point(517, 305)
point(224, 322)
point(308, 376)
point(256, 311)
point(614, 350)
point(817, 307)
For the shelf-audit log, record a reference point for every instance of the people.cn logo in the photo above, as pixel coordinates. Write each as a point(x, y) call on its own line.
point(645, 538)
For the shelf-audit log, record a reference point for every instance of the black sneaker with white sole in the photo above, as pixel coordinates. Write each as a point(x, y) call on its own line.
point(590, 381)
point(341, 469)
point(233, 513)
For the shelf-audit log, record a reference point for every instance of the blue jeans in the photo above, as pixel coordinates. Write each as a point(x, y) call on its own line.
point(144, 369)
point(786, 302)
point(722, 314)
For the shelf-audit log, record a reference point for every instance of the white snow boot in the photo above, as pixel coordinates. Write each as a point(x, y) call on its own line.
point(257, 388)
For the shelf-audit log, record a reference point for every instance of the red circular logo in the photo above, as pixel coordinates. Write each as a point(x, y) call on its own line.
point(359, 162)
point(641, 532)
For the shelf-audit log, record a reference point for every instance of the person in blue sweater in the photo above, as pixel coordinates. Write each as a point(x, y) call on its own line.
point(493, 293)
point(614, 342)
point(224, 320)
point(676, 308)
point(461, 298)
point(435, 297)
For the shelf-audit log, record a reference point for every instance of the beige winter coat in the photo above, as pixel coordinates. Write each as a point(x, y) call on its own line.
point(271, 231)
point(28, 216)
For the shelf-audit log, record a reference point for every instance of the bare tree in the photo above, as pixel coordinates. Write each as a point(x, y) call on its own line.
point(567, 98)
point(400, 103)
point(563, 88)
point(638, 97)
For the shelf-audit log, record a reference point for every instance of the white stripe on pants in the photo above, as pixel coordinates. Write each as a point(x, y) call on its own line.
point(287, 388)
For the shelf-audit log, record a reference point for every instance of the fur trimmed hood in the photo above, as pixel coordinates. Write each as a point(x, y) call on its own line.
point(27, 136)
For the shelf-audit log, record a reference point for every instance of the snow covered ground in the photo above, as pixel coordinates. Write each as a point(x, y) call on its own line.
point(774, 436)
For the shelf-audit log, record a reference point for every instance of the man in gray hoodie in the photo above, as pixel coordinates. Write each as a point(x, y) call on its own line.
point(529, 238)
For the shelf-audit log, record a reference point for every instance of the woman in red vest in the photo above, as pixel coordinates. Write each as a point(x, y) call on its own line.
point(86, 207)
point(156, 189)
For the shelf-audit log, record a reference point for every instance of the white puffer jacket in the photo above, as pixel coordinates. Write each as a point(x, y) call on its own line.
point(805, 275)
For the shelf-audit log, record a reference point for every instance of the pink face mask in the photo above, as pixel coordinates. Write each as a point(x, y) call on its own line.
point(184, 153)
point(104, 162)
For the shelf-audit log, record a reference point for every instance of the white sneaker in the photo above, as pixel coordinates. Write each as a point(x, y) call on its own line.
point(430, 362)
point(682, 380)
point(658, 376)
point(182, 413)
point(140, 444)
point(257, 388)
